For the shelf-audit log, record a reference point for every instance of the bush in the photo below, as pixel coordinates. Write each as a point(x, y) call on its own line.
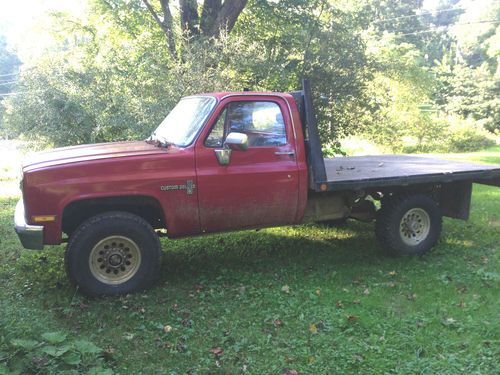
point(455, 135)
point(467, 135)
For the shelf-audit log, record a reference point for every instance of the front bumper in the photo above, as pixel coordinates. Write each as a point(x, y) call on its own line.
point(31, 236)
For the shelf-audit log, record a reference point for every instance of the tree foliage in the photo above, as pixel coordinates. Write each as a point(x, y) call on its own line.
point(470, 83)
point(9, 63)
point(386, 69)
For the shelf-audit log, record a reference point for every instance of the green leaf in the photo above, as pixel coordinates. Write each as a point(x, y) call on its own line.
point(86, 347)
point(488, 276)
point(55, 351)
point(25, 344)
point(4, 370)
point(69, 372)
point(72, 358)
point(100, 371)
point(54, 337)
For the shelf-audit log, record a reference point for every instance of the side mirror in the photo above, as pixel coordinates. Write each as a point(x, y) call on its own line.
point(236, 141)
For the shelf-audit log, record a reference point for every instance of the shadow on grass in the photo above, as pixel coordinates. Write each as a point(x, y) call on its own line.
point(299, 251)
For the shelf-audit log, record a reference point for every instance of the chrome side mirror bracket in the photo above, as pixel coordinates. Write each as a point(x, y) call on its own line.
point(223, 156)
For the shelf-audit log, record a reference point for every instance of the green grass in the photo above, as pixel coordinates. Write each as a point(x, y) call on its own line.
point(490, 155)
point(313, 299)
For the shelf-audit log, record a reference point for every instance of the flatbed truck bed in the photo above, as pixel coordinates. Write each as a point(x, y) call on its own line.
point(362, 172)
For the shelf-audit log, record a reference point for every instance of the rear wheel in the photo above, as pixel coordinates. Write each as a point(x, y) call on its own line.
point(408, 224)
point(113, 253)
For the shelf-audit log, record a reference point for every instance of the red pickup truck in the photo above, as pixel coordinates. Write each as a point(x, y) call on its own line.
point(222, 162)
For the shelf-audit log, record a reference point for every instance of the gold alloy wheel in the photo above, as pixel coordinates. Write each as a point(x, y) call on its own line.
point(115, 260)
point(414, 226)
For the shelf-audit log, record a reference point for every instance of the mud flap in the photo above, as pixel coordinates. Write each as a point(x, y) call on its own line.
point(456, 199)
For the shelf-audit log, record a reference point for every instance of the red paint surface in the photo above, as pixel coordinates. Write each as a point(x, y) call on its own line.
point(257, 189)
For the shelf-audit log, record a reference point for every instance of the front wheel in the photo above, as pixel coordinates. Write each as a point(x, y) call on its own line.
point(408, 224)
point(113, 253)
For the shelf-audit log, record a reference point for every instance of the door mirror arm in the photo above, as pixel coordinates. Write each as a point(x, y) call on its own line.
point(223, 155)
point(234, 141)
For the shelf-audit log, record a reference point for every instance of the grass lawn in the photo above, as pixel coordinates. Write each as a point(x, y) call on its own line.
point(490, 155)
point(313, 299)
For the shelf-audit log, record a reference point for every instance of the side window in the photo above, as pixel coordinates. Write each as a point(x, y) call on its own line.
point(216, 136)
point(261, 121)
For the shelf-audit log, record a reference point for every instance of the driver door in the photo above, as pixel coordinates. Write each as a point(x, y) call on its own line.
point(259, 186)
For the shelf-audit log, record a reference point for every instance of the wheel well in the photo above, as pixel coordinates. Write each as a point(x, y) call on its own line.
point(146, 207)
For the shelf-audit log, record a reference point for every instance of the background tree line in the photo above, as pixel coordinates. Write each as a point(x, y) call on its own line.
point(390, 71)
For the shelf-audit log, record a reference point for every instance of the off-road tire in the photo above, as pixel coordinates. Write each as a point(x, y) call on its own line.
point(389, 225)
point(80, 254)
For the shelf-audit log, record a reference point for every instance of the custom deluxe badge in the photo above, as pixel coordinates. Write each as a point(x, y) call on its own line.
point(189, 187)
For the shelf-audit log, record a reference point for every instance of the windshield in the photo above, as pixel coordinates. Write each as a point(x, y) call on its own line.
point(184, 121)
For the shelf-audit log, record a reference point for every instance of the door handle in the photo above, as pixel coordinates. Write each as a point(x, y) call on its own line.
point(289, 153)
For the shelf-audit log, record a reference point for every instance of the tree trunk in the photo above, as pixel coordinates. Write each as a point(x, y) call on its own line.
point(189, 16)
point(209, 14)
point(165, 24)
point(227, 16)
point(167, 21)
point(216, 16)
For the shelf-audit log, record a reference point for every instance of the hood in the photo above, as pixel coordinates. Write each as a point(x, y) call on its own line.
point(74, 154)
